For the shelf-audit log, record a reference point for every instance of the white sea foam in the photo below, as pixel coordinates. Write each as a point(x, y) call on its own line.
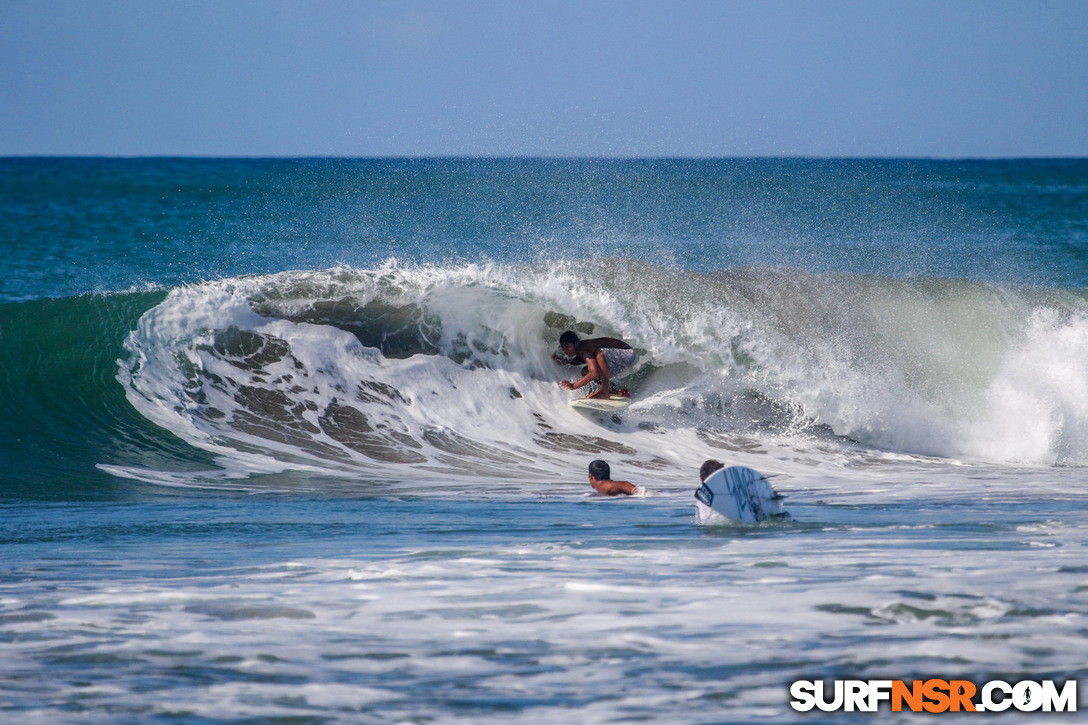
point(625, 611)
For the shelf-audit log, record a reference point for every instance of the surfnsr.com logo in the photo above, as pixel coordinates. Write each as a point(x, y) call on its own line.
point(934, 695)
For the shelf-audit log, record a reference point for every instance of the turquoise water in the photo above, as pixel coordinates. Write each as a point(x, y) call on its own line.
point(283, 442)
point(73, 226)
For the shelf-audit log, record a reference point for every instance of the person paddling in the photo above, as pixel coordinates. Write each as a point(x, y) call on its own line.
point(600, 478)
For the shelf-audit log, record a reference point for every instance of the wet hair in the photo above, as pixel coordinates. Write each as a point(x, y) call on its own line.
point(600, 470)
point(569, 338)
point(709, 467)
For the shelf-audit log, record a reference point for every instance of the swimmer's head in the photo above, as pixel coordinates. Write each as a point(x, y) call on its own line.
point(600, 470)
point(709, 467)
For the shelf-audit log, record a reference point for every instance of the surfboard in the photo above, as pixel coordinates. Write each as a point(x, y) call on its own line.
point(738, 493)
point(614, 402)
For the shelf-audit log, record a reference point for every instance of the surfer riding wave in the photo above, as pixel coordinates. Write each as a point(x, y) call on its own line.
point(604, 358)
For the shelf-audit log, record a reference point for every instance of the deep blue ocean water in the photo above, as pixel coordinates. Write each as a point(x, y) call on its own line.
point(282, 440)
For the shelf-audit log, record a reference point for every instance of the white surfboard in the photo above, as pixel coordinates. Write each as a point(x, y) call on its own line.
point(738, 493)
point(614, 402)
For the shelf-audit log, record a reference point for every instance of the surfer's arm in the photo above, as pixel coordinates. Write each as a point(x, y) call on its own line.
point(591, 365)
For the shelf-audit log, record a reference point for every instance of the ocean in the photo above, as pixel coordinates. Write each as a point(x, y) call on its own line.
point(282, 440)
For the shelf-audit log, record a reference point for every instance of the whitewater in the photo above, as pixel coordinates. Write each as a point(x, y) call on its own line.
point(407, 372)
point(295, 448)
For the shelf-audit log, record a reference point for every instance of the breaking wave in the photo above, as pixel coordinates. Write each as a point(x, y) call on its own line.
point(423, 372)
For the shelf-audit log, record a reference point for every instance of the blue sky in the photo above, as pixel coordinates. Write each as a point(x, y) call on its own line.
point(928, 78)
